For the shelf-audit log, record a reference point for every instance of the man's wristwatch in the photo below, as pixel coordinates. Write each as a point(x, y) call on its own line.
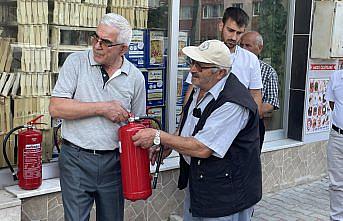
point(157, 139)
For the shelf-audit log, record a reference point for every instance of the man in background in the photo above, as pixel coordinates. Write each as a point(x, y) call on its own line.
point(253, 42)
point(245, 64)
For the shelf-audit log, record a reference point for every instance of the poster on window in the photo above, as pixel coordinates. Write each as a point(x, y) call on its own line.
point(317, 113)
point(318, 110)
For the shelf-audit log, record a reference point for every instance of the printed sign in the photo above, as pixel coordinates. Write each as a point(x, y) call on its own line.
point(156, 48)
point(158, 113)
point(318, 110)
point(183, 42)
point(136, 53)
point(154, 87)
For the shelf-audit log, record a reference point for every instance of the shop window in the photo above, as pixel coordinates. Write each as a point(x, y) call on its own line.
point(271, 22)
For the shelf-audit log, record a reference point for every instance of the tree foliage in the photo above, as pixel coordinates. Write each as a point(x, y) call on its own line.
point(273, 27)
point(158, 17)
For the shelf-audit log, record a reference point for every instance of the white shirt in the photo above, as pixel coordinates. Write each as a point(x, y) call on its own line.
point(221, 127)
point(246, 67)
point(335, 93)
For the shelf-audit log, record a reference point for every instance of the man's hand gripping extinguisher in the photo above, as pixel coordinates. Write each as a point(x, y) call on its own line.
point(135, 163)
point(29, 171)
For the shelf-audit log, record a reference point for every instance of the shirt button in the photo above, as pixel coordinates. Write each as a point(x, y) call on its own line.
point(226, 174)
point(201, 176)
point(199, 162)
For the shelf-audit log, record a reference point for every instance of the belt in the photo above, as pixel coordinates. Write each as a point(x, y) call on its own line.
point(337, 129)
point(95, 152)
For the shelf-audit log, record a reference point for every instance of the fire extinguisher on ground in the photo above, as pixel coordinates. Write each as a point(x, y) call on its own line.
point(135, 163)
point(29, 171)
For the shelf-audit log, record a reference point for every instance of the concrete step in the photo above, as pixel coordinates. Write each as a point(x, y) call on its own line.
point(10, 207)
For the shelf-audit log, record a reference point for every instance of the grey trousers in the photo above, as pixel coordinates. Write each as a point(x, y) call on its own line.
point(335, 170)
point(244, 215)
point(86, 178)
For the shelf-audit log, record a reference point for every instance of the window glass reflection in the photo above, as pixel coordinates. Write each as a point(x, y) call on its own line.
point(199, 22)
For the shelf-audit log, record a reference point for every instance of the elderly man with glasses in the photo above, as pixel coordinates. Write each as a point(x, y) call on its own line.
point(220, 165)
point(95, 91)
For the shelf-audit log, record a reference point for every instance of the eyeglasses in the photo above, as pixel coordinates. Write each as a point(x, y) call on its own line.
point(103, 42)
point(199, 65)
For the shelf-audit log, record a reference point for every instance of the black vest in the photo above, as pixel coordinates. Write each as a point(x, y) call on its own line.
point(224, 186)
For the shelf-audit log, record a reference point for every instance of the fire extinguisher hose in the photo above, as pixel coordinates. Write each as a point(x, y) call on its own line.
point(160, 154)
point(55, 130)
point(4, 149)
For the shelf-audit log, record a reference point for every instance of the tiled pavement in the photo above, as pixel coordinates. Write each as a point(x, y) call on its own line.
point(308, 202)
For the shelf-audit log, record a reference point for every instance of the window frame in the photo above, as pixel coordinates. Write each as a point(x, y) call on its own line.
point(272, 135)
point(238, 5)
point(190, 12)
point(254, 4)
point(209, 10)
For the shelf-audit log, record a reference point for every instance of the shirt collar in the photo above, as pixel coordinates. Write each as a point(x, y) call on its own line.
point(218, 87)
point(125, 68)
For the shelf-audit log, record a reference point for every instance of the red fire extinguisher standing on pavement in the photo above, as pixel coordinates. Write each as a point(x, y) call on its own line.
point(135, 163)
point(29, 171)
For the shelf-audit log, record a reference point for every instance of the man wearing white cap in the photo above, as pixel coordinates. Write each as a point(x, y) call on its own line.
point(245, 64)
point(219, 140)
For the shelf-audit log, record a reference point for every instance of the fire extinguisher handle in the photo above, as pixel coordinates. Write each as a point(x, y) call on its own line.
point(33, 121)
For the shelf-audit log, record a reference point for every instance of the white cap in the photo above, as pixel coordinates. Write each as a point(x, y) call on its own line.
point(211, 52)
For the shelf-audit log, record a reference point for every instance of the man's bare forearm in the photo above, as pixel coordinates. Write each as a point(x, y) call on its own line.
point(186, 145)
point(257, 95)
point(72, 109)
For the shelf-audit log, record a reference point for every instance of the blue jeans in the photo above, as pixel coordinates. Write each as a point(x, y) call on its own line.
point(87, 177)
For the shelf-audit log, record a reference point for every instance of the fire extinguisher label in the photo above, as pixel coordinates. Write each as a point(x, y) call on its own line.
point(32, 161)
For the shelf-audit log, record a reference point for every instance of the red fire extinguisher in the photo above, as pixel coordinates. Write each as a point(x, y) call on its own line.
point(29, 171)
point(135, 163)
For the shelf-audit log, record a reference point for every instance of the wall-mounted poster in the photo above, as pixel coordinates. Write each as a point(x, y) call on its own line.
point(317, 113)
point(318, 110)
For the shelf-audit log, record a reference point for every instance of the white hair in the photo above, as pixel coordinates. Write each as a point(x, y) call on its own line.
point(120, 23)
point(215, 69)
point(259, 40)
